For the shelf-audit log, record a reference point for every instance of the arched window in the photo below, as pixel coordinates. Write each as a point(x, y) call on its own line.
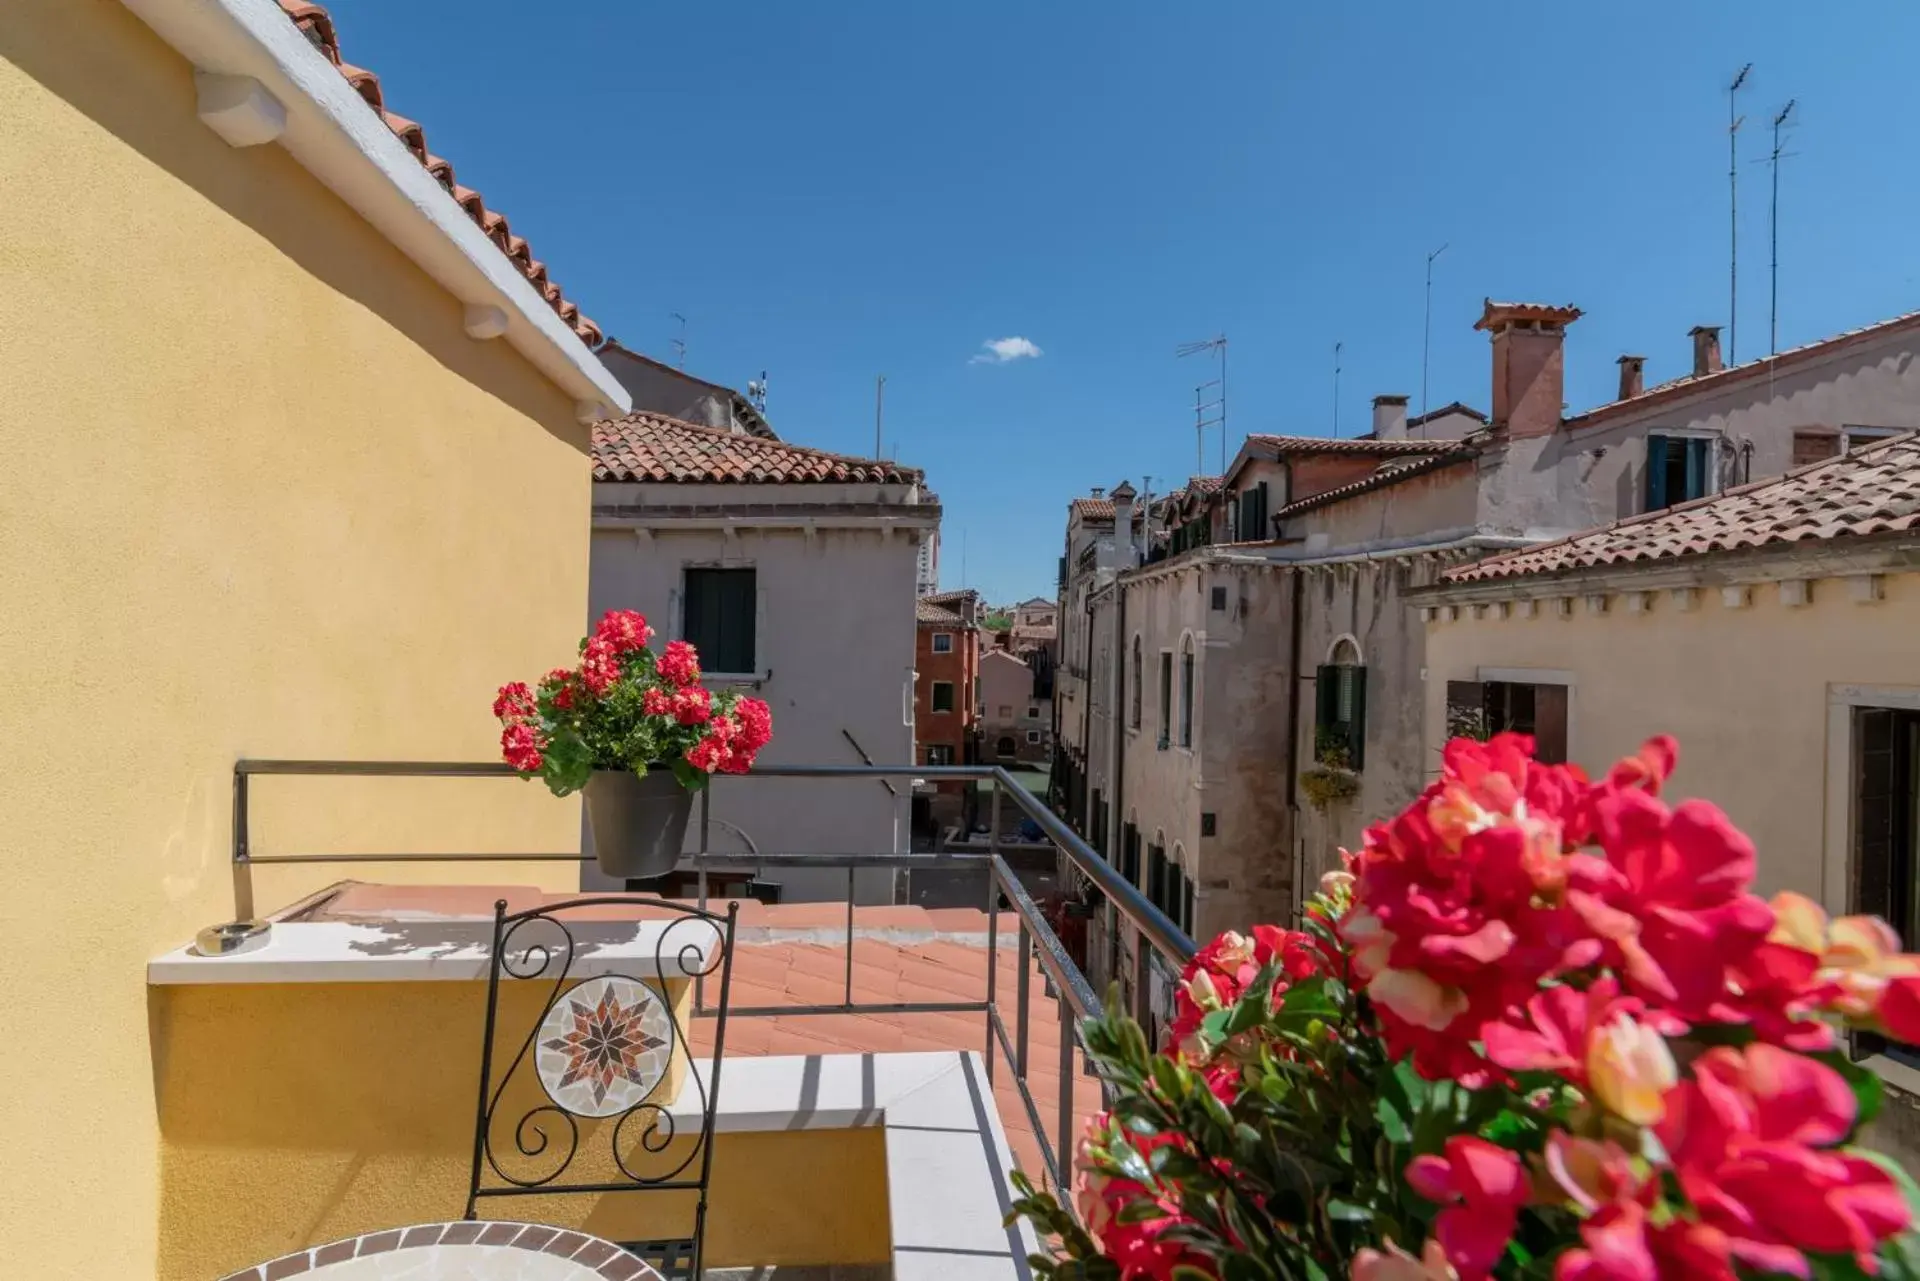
point(1005, 747)
point(1340, 717)
point(1186, 691)
point(1134, 718)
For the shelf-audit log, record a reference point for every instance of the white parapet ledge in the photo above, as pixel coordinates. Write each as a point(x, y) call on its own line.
point(948, 1163)
point(332, 132)
point(456, 951)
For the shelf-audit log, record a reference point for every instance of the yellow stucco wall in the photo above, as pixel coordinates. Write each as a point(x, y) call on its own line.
point(294, 1114)
point(261, 496)
point(1744, 690)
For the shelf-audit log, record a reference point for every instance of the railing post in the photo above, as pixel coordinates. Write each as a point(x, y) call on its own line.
point(242, 866)
point(993, 955)
point(1063, 1150)
point(700, 878)
point(1142, 977)
point(849, 996)
point(1020, 1012)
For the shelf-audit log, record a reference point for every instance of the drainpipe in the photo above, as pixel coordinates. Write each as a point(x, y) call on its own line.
point(1119, 780)
point(1294, 629)
point(1086, 720)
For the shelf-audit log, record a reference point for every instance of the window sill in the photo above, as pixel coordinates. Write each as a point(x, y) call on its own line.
point(1901, 1076)
point(736, 678)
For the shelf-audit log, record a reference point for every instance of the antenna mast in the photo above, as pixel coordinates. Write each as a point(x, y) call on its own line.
point(1201, 405)
point(879, 410)
point(1426, 329)
point(1336, 387)
point(1773, 160)
point(680, 341)
point(1734, 121)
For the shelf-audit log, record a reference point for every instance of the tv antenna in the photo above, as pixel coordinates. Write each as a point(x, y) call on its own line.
point(1337, 346)
point(1202, 406)
point(757, 391)
point(1426, 331)
point(879, 409)
point(1773, 218)
point(1734, 121)
point(679, 343)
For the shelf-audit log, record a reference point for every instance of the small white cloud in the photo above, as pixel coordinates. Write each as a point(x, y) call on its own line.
point(1000, 351)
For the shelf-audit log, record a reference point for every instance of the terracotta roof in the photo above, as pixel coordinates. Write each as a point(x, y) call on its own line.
point(650, 447)
point(1675, 388)
point(925, 611)
point(317, 25)
point(957, 594)
point(1494, 312)
point(1457, 407)
point(1870, 491)
point(1348, 445)
point(1387, 475)
point(1205, 484)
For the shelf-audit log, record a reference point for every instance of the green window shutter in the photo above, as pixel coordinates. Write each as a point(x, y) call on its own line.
point(1260, 533)
point(1656, 472)
point(1357, 716)
point(1326, 694)
point(1696, 464)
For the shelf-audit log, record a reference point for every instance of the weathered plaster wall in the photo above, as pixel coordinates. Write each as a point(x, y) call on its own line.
point(835, 636)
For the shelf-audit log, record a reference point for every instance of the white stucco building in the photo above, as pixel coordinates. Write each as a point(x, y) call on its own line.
point(793, 570)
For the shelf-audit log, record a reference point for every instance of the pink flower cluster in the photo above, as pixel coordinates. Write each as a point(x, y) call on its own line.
point(730, 731)
point(1224, 969)
point(1519, 917)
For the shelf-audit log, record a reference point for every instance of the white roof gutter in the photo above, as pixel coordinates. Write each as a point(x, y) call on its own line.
point(261, 80)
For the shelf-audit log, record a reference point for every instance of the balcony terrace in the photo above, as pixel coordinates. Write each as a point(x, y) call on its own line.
point(885, 1067)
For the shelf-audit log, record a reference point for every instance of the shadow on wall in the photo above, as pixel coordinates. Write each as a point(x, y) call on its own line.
point(107, 64)
point(297, 1114)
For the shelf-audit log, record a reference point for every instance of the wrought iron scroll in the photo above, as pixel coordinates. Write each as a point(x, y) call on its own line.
point(521, 1150)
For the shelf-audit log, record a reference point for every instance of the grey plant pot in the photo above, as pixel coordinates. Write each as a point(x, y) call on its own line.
point(638, 823)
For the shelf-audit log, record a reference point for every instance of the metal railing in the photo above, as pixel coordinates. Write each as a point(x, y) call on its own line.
point(1153, 931)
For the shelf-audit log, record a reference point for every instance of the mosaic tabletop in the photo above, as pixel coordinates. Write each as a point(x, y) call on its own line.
point(459, 1252)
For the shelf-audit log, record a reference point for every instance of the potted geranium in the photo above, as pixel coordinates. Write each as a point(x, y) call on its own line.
point(637, 732)
point(1541, 1030)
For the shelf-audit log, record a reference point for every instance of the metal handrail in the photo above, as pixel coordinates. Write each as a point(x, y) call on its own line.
point(1036, 940)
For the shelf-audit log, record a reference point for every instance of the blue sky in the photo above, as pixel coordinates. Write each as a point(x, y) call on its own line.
point(834, 191)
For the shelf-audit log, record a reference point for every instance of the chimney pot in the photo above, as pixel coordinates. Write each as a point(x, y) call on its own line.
point(1389, 417)
point(1529, 364)
point(1632, 376)
point(1099, 491)
point(1706, 349)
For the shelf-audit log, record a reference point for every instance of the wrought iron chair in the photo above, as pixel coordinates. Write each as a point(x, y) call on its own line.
point(603, 1049)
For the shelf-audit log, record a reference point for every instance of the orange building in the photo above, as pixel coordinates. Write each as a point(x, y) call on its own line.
point(946, 689)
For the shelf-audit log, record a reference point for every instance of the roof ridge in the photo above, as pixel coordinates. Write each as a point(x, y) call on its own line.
point(727, 433)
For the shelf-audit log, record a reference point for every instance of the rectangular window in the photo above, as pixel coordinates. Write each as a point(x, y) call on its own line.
point(1886, 800)
point(1677, 469)
point(1186, 699)
point(719, 618)
point(1006, 711)
point(939, 754)
point(1033, 711)
point(1252, 513)
point(1135, 719)
point(1855, 437)
point(1340, 716)
point(1166, 696)
point(1186, 904)
point(942, 696)
point(1130, 854)
point(943, 642)
point(1033, 736)
point(1217, 599)
point(1481, 709)
point(1157, 876)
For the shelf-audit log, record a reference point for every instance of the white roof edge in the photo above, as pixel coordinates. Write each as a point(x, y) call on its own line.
point(333, 133)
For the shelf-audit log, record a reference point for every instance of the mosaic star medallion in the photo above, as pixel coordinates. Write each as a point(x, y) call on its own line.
point(604, 1046)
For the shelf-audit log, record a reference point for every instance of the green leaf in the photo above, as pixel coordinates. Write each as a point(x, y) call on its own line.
point(690, 778)
point(1347, 1212)
point(1387, 1110)
point(1865, 1083)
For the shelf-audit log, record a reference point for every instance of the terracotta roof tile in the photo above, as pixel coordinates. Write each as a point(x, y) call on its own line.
point(1870, 491)
point(1349, 445)
point(653, 448)
point(317, 25)
point(925, 611)
point(1389, 474)
point(1675, 388)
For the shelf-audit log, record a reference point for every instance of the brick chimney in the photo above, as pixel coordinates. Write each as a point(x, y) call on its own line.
point(1529, 364)
point(1632, 376)
point(1389, 417)
point(1706, 349)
